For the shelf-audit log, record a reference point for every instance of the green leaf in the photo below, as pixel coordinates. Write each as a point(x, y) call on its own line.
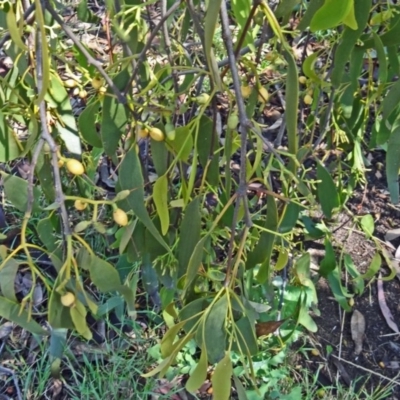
point(368, 225)
point(221, 379)
point(393, 163)
point(130, 177)
point(391, 101)
point(78, 316)
point(166, 345)
point(195, 262)
point(240, 390)
point(11, 311)
point(290, 217)
point(247, 341)
point(16, 191)
point(327, 192)
point(328, 264)
point(304, 317)
point(189, 235)
point(339, 292)
point(199, 374)
point(308, 67)
point(350, 18)
point(160, 197)
point(312, 7)
point(302, 272)
point(103, 275)
point(59, 316)
point(214, 335)
point(58, 98)
point(373, 268)
point(192, 312)
point(182, 145)
point(114, 116)
point(358, 281)
point(331, 14)
point(9, 148)
point(7, 279)
point(87, 124)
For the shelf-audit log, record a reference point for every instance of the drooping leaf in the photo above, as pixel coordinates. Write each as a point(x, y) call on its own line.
point(189, 235)
point(246, 338)
point(182, 145)
point(114, 116)
point(160, 196)
point(393, 163)
point(339, 292)
point(331, 14)
point(11, 311)
point(87, 124)
point(199, 374)
point(9, 148)
point(7, 279)
point(368, 225)
point(327, 192)
point(104, 275)
point(78, 315)
point(130, 177)
point(328, 263)
point(221, 379)
point(373, 268)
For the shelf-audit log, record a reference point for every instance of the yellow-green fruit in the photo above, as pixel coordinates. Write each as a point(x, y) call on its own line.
point(320, 393)
point(82, 94)
point(70, 83)
point(263, 94)
point(308, 99)
point(302, 80)
point(203, 98)
point(156, 134)
point(102, 91)
point(170, 131)
point(80, 205)
point(120, 217)
point(60, 163)
point(75, 167)
point(142, 133)
point(233, 121)
point(97, 83)
point(46, 148)
point(68, 299)
point(315, 352)
point(246, 91)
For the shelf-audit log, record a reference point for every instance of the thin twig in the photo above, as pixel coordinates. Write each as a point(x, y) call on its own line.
point(49, 139)
point(14, 378)
point(149, 41)
point(91, 60)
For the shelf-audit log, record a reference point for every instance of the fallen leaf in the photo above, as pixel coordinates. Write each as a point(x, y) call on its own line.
point(357, 326)
point(384, 308)
point(265, 328)
point(392, 234)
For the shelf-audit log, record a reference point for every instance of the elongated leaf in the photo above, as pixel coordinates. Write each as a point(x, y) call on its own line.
point(340, 293)
point(368, 225)
point(195, 262)
point(114, 116)
point(199, 374)
point(302, 272)
point(331, 14)
point(328, 264)
point(373, 268)
point(182, 145)
point(58, 98)
point(393, 164)
point(247, 341)
point(327, 192)
point(312, 7)
point(240, 390)
point(221, 379)
point(160, 196)
point(130, 177)
point(11, 311)
point(9, 149)
point(13, 28)
point(87, 124)
point(16, 191)
point(189, 235)
point(104, 275)
point(391, 101)
point(78, 316)
point(7, 279)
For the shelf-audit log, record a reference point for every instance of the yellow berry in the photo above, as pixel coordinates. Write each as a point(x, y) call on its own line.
point(308, 99)
point(302, 80)
point(315, 352)
point(170, 131)
point(68, 299)
point(46, 148)
point(75, 167)
point(233, 120)
point(70, 83)
point(246, 91)
point(82, 94)
point(60, 163)
point(143, 133)
point(102, 91)
point(156, 134)
point(80, 205)
point(320, 393)
point(351, 302)
point(97, 83)
point(203, 98)
point(120, 217)
point(263, 94)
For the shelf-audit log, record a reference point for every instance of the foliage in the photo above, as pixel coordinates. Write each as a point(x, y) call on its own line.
point(221, 251)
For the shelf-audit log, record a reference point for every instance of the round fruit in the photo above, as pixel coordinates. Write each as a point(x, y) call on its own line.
point(315, 352)
point(80, 205)
point(46, 148)
point(143, 133)
point(70, 83)
point(246, 91)
point(102, 91)
point(320, 393)
point(351, 302)
point(170, 131)
point(156, 134)
point(203, 98)
point(263, 94)
point(302, 80)
point(120, 217)
point(75, 167)
point(68, 299)
point(82, 94)
point(308, 99)
point(60, 163)
point(233, 121)
point(97, 83)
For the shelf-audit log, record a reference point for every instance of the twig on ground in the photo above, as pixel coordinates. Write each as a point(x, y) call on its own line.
point(91, 60)
point(14, 378)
